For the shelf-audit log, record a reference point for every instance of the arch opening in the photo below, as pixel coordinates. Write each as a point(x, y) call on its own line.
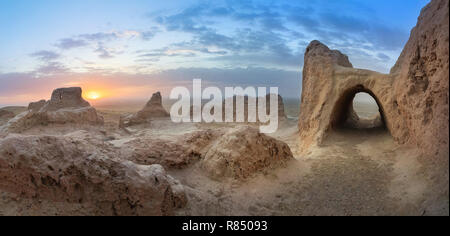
point(358, 108)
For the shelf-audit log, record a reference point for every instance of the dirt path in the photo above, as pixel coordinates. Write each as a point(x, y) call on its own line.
point(354, 173)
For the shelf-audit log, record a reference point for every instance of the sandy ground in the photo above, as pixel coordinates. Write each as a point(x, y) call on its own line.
point(356, 172)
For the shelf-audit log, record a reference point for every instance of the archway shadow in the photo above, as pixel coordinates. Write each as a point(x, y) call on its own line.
point(345, 120)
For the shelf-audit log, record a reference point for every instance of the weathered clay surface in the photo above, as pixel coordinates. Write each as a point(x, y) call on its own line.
point(75, 168)
point(153, 109)
point(148, 151)
point(225, 152)
point(421, 98)
point(329, 85)
point(237, 152)
point(200, 142)
point(36, 106)
point(242, 152)
point(66, 98)
point(420, 88)
point(413, 99)
point(65, 107)
point(5, 116)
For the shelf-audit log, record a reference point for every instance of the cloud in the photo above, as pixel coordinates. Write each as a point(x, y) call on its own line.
point(252, 47)
point(51, 68)
point(306, 21)
point(212, 52)
point(22, 88)
point(387, 38)
point(45, 55)
point(176, 50)
point(169, 53)
point(242, 43)
point(69, 43)
point(238, 33)
point(259, 45)
point(273, 24)
point(116, 35)
point(48, 65)
point(278, 32)
point(147, 35)
point(383, 57)
point(247, 42)
point(343, 23)
point(105, 52)
point(97, 41)
point(101, 36)
point(186, 20)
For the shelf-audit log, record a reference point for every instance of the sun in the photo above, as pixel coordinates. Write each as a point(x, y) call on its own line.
point(93, 95)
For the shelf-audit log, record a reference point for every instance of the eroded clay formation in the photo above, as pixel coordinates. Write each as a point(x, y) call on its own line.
point(153, 109)
point(130, 179)
point(5, 115)
point(413, 98)
point(236, 153)
point(65, 106)
point(73, 168)
point(242, 152)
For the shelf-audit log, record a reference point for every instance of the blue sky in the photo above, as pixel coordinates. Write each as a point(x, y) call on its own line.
point(135, 47)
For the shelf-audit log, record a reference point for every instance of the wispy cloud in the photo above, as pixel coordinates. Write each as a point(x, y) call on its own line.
point(115, 35)
point(104, 52)
point(50, 68)
point(248, 41)
point(258, 33)
point(70, 43)
point(45, 55)
point(98, 41)
point(383, 57)
point(275, 31)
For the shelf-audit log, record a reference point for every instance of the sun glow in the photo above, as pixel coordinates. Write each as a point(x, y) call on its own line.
point(93, 95)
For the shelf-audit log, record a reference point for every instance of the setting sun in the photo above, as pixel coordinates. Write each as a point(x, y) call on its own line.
point(92, 95)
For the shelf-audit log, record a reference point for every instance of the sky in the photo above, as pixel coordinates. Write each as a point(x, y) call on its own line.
point(121, 49)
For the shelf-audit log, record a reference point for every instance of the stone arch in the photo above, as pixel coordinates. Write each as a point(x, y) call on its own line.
point(330, 84)
point(414, 114)
point(343, 108)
